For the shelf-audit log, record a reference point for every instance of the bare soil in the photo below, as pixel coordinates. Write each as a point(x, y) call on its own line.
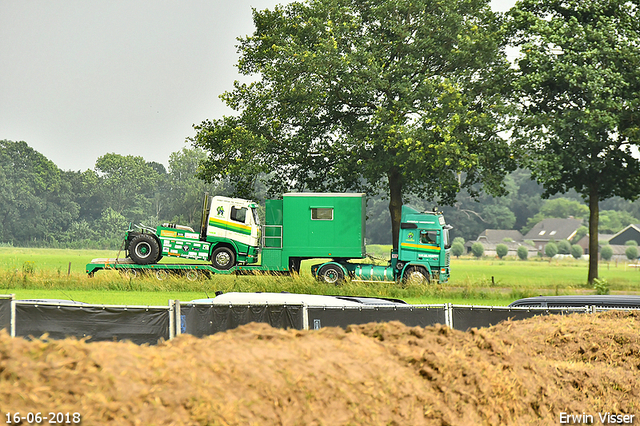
point(516, 373)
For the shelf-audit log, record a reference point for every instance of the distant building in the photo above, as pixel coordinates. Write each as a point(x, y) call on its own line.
point(552, 229)
point(490, 238)
point(500, 236)
point(631, 232)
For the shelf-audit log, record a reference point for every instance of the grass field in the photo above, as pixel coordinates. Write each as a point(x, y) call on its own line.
point(60, 274)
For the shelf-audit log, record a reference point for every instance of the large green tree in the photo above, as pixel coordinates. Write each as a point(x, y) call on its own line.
point(579, 89)
point(36, 204)
point(127, 184)
point(366, 95)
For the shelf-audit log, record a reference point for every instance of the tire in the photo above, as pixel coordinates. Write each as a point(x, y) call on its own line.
point(129, 273)
point(331, 274)
point(415, 275)
point(144, 249)
point(192, 275)
point(223, 258)
point(161, 275)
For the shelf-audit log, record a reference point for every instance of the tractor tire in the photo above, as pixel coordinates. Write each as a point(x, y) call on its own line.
point(331, 274)
point(416, 275)
point(144, 249)
point(223, 258)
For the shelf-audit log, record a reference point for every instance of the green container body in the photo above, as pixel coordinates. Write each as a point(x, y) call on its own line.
point(315, 225)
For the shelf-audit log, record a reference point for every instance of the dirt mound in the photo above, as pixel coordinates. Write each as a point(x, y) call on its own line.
point(524, 372)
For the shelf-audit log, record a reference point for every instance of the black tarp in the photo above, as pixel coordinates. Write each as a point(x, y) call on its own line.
point(102, 323)
point(5, 312)
point(466, 317)
point(408, 315)
point(203, 320)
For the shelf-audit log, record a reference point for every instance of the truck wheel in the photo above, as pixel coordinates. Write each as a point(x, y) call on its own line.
point(223, 258)
point(144, 249)
point(331, 274)
point(416, 275)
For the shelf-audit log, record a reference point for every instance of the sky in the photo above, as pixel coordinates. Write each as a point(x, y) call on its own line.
point(79, 79)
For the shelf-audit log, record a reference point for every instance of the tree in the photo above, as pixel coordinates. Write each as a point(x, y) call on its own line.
point(366, 95)
point(36, 204)
point(523, 253)
point(578, 81)
point(457, 249)
point(564, 247)
point(576, 251)
point(502, 250)
point(562, 208)
point(631, 252)
point(185, 190)
point(612, 221)
point(606, 253)
point(551, 249)
point(127, 184)
point(477, 249)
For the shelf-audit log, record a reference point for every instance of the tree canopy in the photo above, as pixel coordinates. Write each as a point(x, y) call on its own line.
point(366, 95)
point(578, 84)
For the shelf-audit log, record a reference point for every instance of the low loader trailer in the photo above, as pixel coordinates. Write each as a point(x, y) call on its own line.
point(300, 226)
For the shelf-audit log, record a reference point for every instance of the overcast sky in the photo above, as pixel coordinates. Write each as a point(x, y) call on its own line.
point(79, 79)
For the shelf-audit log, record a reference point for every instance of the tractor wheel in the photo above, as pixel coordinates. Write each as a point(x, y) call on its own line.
point(415, 275)
point(331, 274)
point(223, 258)
point(144, 249)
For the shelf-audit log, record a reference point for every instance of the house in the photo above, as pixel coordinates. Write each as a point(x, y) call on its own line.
point(490, 238)
point(631, 232)
point(602, 240)
point(500, 236)
point(552, 229)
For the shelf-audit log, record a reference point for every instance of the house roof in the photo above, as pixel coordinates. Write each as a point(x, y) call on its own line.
point(499, 235)
point(631, 232)
point(553, 228)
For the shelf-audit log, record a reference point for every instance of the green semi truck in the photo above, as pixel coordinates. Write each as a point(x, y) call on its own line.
point(300, 226)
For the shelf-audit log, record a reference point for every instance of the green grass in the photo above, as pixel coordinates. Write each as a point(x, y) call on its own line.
point(45, 273)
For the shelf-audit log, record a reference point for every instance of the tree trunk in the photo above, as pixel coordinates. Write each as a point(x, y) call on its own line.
point(594, 215)
point(395, 204)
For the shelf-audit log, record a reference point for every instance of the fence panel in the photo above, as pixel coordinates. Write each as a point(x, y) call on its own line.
point(341, 317)
point(466, 317)
point(98, 323)
point(206, 319)
point(5, 312)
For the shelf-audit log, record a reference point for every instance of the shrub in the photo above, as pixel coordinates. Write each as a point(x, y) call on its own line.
point(631, 252)
point(576, 251)
point(477, 249)
point(458, 240)
point(564, 247)
point(631, 243)
point(502, 250)
point(523, 253)
point(606, 252)
point(551, 249)
point(457, 249)
point(601, 286)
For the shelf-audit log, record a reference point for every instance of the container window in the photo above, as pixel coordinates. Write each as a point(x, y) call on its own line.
point(321, 213)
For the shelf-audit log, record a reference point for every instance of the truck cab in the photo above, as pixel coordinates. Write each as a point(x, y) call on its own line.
point(424, 242)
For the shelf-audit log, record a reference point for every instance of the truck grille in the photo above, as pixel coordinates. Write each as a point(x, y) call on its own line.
point(447, 258)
